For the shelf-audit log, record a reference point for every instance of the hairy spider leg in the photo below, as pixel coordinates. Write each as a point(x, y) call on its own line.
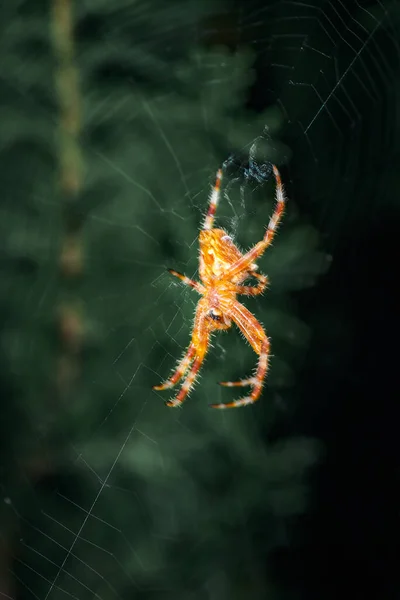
point(249, 290)
point(252, 255)
point(194, 357)
point(240, 383)
point(213, 202)
point(187, 281)
point(190, 378)
point(240, 289)
point(200, 341)
point(256, 336)
point(180, 371)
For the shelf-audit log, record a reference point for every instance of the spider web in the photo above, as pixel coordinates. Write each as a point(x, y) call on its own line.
point(116, 495)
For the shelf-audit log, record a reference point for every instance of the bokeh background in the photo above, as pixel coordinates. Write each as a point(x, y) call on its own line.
point(114, 118)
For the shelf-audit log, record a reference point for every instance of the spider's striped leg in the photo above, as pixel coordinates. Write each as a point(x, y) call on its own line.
point(240, 383)
point(214, 199)
point(194, 357)
point(257, 250)
point(200, 341)
point(279, 208)
point(190, 378)
point(187, 281)
point(257, 381)
point(259, 341)
point(180, 371)
point(253, 290)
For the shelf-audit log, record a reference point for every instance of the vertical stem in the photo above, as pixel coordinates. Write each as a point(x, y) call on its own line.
point(70, 184)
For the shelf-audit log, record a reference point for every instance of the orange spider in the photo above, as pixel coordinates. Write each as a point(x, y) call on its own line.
point(223, 269)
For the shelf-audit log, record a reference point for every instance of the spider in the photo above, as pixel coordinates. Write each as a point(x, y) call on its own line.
point(223, 269)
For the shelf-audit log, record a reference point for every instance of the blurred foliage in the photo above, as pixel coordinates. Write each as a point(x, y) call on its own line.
point(106, 492)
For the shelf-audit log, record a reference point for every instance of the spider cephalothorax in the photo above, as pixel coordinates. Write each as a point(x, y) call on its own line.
point(223, 269)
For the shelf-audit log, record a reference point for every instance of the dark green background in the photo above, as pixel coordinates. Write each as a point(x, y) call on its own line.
point(106, 493)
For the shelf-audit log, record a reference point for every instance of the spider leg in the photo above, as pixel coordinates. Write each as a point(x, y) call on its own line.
point(193, 358)
point(201, 344)
point(240, 383)
point(214, 199)
point(187, 281)
point(181, 369)
point(191, 376)
point(257, 250)
point(255, 290)
point(255, 334)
